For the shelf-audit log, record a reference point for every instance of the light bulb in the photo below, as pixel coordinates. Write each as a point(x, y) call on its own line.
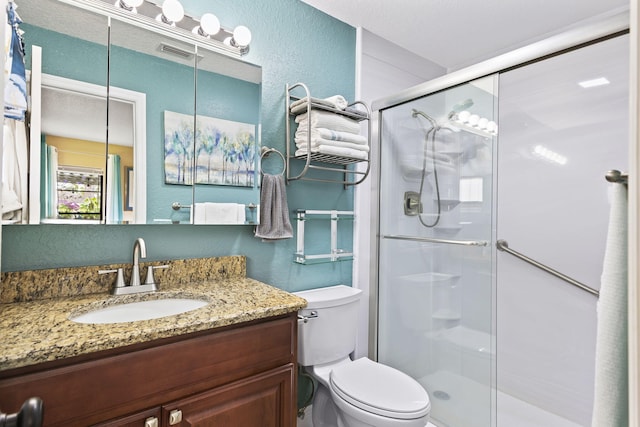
point(172, 11)
point(241, 36)
point(209, 25)
point(129, 5)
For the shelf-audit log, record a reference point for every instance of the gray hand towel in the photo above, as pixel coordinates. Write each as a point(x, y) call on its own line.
point(274, 211)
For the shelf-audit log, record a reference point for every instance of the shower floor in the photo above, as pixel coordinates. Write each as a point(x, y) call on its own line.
point(306, 421)
point(512, 412)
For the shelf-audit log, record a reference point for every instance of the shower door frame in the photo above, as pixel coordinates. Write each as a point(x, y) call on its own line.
point(611, 27)
point(634, 221)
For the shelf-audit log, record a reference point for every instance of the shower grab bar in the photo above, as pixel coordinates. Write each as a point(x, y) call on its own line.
point(502, 245)
point(433, 240)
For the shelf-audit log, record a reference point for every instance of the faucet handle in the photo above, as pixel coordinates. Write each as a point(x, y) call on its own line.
point(119, 280)
point(150, 280)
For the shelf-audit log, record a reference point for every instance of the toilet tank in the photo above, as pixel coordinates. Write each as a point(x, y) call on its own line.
point(329, 332)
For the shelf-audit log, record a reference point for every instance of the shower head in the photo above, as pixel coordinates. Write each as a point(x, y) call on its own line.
point(460, 106)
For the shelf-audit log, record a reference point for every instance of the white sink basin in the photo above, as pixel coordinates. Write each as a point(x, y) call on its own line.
point(142, 310)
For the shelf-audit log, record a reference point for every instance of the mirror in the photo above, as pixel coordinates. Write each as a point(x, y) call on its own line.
point(226, 147)
point(60, 188)
point(141, 61)
point(157, 86)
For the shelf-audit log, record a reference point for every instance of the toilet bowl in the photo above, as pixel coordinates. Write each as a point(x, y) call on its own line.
point(352, 393)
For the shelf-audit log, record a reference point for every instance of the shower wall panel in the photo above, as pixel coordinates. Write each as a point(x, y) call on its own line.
point(557, 140)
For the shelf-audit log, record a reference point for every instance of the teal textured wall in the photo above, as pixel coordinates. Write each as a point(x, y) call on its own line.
point(292, 42)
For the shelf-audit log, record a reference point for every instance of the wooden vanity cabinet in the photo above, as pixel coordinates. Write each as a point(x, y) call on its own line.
point(148, 418)
point(234, 376)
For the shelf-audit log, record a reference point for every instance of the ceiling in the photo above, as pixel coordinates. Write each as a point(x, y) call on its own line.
point(458, 33)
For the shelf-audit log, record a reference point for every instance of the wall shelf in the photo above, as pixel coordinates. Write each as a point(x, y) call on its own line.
point(336, 254)
point(321, 162)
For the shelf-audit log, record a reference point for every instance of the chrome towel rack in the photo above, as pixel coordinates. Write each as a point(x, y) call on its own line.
point(502, 245)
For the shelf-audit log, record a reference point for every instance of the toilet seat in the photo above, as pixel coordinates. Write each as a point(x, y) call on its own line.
point(380, 389)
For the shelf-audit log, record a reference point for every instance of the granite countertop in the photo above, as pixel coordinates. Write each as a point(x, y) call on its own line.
point(40, 331)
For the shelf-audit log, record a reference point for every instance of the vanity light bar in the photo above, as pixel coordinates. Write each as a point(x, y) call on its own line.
point(145, 17)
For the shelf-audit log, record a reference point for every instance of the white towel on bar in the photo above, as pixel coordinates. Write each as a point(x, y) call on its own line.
point(274, 210)
point(219, 213)
point(324, 119)
point(611, 376)
point(332, 135)
point(199, 214)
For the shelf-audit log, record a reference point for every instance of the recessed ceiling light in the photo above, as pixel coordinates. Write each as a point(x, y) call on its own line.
point(594, 82)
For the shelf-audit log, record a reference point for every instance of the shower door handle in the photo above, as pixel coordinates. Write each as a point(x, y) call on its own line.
point(433, 240)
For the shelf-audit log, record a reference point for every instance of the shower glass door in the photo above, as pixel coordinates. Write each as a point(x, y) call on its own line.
point(436, 287)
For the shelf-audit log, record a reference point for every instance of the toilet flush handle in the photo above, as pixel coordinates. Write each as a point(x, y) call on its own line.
point(305, 317)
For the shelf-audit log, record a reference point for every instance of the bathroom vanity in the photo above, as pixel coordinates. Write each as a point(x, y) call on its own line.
point(231, 363)
point(242, 375)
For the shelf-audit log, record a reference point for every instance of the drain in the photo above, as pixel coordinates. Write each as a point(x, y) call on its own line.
point(442, 395)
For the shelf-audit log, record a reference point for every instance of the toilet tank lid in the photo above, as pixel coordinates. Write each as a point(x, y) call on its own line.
point(330, 296)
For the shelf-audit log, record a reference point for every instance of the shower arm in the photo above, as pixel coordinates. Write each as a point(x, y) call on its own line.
point(502, 245)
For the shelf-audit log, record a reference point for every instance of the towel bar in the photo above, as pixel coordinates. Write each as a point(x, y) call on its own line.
point(502, 245)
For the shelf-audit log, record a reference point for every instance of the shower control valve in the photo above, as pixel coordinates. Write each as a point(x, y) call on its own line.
point(412, 205)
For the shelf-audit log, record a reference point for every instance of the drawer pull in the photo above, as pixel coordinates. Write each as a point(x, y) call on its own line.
point(151, 422)
point(175, 417)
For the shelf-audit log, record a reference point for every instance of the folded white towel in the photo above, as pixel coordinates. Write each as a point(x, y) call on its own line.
point(335, 151)
point(199, 213)
point(355, 110)
point(331, 134)
point(242, 214)
point(323, 119)
point(304, 142)
point(336, 101)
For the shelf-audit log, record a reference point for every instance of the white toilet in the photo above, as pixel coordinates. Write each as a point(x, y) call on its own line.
point(358, 393)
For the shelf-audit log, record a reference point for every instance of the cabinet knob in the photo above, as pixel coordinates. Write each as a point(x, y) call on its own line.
point(175, 417)
point(151, 422)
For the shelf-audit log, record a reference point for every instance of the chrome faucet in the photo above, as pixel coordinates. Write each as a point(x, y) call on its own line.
point(135, 286)
point(139, 250)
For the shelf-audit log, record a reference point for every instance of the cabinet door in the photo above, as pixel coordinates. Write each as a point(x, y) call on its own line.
point(264, 400)
point(148, 418)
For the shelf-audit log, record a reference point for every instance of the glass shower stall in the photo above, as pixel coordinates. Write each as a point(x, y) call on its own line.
point(513, 150)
